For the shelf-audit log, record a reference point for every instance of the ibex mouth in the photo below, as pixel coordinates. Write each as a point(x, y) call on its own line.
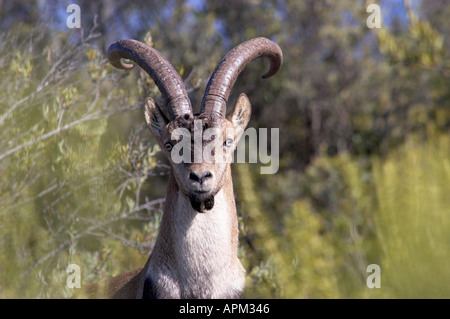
point(201, 202)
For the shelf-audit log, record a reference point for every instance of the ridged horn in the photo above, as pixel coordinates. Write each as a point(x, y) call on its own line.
point(224, 76)
point(160, 70)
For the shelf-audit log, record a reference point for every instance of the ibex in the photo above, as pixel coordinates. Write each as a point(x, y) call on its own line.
point(195, 253)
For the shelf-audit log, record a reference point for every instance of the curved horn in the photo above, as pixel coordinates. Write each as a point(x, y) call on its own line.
point(160, 70)
point(225, 75)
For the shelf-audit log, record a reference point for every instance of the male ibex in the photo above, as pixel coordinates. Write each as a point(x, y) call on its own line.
point(195, 254)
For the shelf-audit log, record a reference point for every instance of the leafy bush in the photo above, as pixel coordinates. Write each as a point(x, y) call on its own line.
point(72, 187)
point(393, 213)
point(413, 219)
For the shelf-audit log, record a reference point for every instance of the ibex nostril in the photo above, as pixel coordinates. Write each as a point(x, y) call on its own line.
point(193, 176)
point(207, 175)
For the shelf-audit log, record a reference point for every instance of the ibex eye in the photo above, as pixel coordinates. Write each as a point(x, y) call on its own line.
point(228, 142)
point(168, 146)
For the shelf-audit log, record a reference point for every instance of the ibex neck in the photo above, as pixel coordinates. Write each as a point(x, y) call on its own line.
point(195, 255)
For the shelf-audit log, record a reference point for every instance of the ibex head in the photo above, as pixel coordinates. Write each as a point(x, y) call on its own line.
point(209, 137)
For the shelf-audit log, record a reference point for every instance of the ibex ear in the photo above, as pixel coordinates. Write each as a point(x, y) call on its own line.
point(154, 118)
point(240, 115)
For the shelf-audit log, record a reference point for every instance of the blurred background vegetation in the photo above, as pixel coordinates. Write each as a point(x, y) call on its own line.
point(364, 119)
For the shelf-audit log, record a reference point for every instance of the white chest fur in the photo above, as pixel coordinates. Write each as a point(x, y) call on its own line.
point(200, 261)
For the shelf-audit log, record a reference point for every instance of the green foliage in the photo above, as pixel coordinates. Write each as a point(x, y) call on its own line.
point(307, 263)
point(65, 196)
point(394, 214)
point(423, 46)
point(321, 246)
point(413, 220)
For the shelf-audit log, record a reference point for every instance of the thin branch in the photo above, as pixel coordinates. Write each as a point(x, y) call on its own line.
point(127, 242)
point(55, 70)
point(90, 230)
point(14, 106)
point(47, 135)
point(95, 116)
